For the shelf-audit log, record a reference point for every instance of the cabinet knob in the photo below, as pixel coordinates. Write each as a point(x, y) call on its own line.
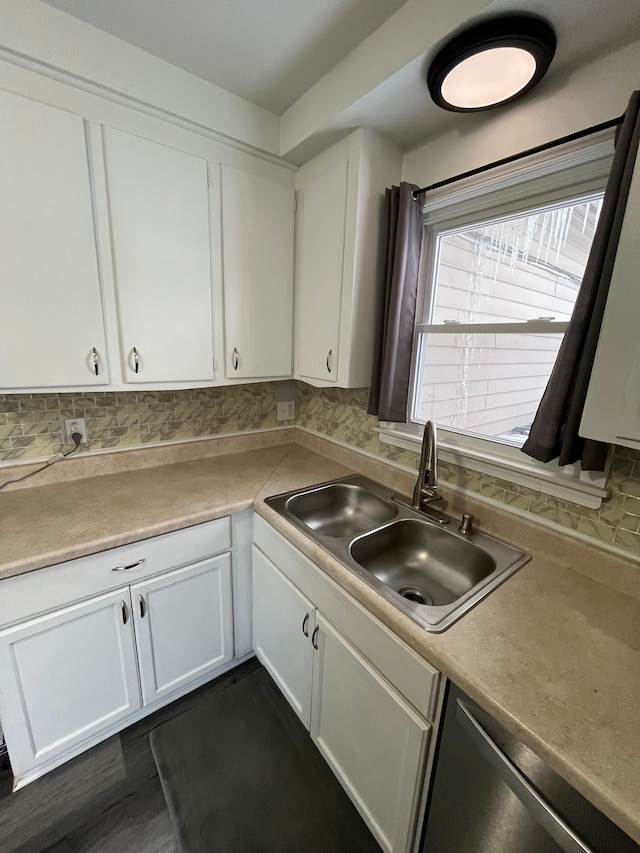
point(305, 622)
point(313, 638)
point(136, 360)
point(329, 355)
point(235, 358)
point(142, 605)
point(125, 612)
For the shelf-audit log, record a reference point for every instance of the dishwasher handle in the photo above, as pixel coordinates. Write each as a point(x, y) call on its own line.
point(518, 783)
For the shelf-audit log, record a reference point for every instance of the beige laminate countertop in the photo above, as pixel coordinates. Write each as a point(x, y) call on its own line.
point(554, 653)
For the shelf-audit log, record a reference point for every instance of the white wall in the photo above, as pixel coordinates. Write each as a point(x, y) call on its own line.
point(593, 94)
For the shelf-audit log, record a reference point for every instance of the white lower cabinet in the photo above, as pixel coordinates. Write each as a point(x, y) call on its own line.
point(66, 676)
point(340, 670)
point(370, 736)
point(71, 674)
point(184, 626)
point(282, 619)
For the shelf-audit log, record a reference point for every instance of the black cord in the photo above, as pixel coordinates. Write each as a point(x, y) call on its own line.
point(46, 465)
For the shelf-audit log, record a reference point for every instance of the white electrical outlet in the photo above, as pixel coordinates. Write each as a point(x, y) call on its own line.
point(74, 425)
point(287, 411)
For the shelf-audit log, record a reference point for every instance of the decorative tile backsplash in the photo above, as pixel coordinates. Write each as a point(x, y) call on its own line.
point(30, 429)
point(30, 423)
point(342, 414)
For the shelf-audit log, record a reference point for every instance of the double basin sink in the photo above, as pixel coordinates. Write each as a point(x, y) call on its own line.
point(419, 562)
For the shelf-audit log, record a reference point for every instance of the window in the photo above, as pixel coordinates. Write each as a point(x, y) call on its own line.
point(502, 262)
point(499, 297)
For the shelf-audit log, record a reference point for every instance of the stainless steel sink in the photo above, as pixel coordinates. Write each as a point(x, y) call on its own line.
point(341, 509)
point(418, 562)
point(422, 562)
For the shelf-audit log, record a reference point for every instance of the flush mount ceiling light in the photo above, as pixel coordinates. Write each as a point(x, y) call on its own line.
point(491, 63)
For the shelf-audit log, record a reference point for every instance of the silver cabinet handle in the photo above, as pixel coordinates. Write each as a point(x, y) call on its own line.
point(136, 360)
point(130, 566)
point(95, 360)
point(235, 358)
point(142, 605)
point(539, 809)
point(313, 638)
point(125, 612)
point(305, 622)
point(329, 354)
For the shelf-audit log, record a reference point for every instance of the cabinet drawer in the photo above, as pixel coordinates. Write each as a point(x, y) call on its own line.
point(400, 665)
point(45, 589)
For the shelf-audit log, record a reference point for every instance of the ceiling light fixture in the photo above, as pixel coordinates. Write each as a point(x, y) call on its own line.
point(491, 63)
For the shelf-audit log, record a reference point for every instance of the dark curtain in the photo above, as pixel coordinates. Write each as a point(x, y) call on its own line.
point(394, 338)
point(554, 433)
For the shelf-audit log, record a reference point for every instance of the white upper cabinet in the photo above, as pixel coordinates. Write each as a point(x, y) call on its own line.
point(321, 246)
point(51, 322)
point(159, 214)
point(257, 251)
point(339, 257)
point(612, 407)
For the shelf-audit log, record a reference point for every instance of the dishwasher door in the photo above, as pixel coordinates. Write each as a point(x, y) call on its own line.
point(491, 794)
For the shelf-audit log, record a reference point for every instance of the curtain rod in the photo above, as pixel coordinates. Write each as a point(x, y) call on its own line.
point(579, 134)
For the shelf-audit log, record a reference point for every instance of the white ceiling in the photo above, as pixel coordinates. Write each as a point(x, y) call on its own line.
point(267, 51)
point(402, 110)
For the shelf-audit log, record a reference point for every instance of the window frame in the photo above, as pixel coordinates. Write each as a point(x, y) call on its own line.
point(577, 169)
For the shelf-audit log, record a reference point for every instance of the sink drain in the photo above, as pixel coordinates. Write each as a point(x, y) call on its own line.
point(414, 594)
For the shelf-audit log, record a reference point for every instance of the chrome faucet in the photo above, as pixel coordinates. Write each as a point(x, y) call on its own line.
point(425, 490)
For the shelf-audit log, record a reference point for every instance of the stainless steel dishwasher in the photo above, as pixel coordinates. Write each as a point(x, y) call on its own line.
point(491, 794)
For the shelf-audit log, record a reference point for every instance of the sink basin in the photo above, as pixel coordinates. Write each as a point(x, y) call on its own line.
point(418, 561)
point(422, 562)
point(341, 509)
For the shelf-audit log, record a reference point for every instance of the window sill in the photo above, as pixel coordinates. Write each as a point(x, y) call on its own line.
point(508, 463)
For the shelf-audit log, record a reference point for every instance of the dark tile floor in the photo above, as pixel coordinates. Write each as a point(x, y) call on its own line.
point(107, 800)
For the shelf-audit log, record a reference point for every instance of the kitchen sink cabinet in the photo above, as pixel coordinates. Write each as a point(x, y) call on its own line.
point(340, 669)
point(52, 328)
point(372, 739)
point(283, 623)
point(158, 201)
point(90, 646)
point(338, 259)
point(257, 274)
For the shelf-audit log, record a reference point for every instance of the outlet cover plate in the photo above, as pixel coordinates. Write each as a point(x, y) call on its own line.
point(72, 425)
point(287, 411)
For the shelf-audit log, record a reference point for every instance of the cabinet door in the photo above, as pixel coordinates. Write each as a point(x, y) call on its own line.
point(184, 626)
point(257, 251)
point(283, 624)
point(372, 739)
point(51, 317)
point(159, 210)
point(319, 273)
point(67, 676)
